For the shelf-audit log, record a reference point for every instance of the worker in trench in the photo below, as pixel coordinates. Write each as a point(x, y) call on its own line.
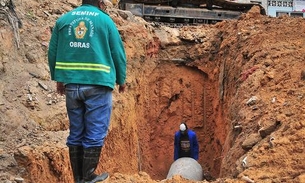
point(185, 144)
point(87, 59)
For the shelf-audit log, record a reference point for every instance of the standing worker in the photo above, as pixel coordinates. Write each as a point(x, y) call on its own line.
point(87, 59)
point(186, 144)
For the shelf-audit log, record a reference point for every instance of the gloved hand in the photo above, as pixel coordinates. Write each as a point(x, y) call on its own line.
point(60, 88)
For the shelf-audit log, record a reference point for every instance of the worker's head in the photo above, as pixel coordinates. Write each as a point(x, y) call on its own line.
point(183, 128)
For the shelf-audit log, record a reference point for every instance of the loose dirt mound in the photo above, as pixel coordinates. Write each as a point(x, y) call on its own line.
point(239, 84)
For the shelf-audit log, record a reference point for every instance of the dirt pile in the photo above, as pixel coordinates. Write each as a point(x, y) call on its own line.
point(238, 84)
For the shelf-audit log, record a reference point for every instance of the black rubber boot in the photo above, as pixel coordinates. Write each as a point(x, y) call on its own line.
point(90, 162)
point(76, 159)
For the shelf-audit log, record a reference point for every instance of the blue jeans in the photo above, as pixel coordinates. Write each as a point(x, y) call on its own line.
point(89, 110)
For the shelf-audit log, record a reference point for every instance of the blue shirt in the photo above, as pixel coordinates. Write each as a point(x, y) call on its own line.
point(194, 147)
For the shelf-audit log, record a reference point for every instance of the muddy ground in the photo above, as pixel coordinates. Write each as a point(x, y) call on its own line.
point(238, 84)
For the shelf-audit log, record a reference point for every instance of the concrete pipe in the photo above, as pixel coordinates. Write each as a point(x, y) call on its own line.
point(187, 168)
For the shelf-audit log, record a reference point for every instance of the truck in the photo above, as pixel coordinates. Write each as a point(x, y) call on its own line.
point(187, 11)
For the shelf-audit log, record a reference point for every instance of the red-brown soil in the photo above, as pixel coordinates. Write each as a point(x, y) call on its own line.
point(238, 84)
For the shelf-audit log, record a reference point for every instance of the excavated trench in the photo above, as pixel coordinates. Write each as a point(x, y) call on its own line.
point(161, 94)
point(175, 93)
point(141, 137)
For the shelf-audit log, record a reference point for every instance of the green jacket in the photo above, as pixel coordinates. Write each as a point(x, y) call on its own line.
point(86, 48)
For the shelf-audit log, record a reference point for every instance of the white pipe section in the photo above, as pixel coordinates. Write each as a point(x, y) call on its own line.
point(187, 168)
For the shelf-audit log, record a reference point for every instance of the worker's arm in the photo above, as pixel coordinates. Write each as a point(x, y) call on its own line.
point(52, 51)
point(118, 55)
point(195, 147)
point(176, 147)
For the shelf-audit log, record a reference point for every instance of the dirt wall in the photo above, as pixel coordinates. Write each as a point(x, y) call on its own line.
point(238, 84)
